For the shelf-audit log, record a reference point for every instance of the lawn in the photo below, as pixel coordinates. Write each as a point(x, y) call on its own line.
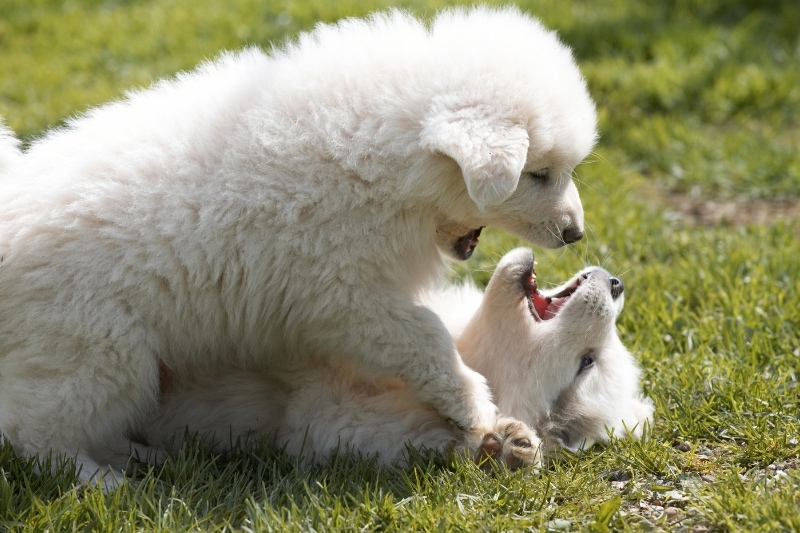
point(691, 197)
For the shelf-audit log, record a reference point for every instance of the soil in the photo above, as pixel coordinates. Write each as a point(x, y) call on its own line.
point(708, 212)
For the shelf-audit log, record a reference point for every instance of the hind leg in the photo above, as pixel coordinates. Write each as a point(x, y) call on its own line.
point(72, 394)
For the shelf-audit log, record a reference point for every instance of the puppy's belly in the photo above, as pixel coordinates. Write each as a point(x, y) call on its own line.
point(311, 412)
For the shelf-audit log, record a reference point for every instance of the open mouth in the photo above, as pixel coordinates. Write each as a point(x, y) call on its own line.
point(546, 307)
point(466, 244)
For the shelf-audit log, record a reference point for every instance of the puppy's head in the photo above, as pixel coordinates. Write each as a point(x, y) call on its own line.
point(553, 358)
point(515, 117)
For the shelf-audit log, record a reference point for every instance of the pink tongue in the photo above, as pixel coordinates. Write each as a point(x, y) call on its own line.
point(540, 304)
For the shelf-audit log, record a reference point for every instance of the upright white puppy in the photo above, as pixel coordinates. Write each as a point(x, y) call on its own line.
point(264, 210)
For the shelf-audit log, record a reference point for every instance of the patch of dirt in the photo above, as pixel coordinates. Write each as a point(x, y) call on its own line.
point(708, 212)
point(661, 505)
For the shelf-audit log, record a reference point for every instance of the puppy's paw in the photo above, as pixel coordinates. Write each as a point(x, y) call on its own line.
point(512, 443)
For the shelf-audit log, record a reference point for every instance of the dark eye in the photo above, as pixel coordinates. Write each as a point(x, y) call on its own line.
point(541, 174)
point(586, 362)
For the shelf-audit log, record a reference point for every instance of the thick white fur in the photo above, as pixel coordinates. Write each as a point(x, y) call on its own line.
point(532, 366)
point(9, 149)
point(265, 210)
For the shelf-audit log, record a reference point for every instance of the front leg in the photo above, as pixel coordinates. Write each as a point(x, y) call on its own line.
point(397, 338)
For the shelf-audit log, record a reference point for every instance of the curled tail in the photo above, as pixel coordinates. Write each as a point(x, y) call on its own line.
point(9, 149)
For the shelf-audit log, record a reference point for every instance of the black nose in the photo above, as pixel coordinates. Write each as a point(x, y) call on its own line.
point(571, 234)
point(616, 287)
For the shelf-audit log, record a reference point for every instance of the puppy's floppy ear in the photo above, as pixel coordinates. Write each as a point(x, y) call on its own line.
point(491, 152)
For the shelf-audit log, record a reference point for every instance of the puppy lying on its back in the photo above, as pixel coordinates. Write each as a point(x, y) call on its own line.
point(553, 360)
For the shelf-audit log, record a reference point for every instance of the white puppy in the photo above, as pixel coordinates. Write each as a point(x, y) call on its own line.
point(264, 210)
point(553, 359)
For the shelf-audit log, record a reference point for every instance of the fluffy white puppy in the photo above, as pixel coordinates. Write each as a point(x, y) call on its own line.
point(265, 210)
point(553, 359)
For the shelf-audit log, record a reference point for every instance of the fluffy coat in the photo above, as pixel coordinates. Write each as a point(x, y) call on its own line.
point(266, 210)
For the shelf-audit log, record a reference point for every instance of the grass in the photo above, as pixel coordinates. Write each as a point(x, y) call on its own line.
point(699, 99)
